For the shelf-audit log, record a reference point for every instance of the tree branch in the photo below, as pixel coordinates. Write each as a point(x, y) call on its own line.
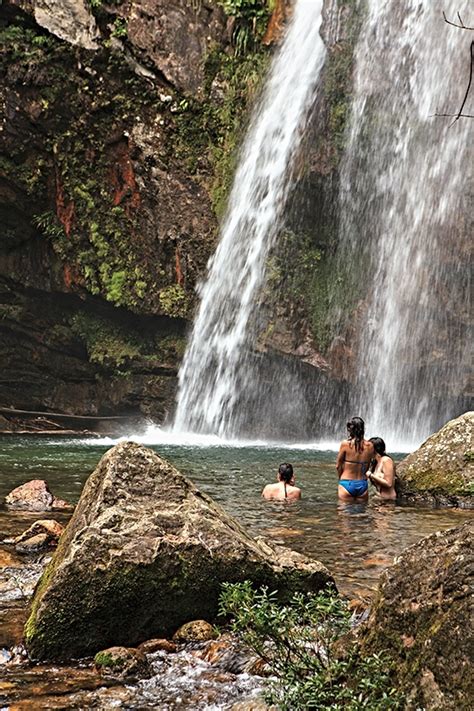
point(459, 114)
point(461, 24)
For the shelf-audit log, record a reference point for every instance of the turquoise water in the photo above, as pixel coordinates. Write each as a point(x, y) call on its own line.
point(355, 541)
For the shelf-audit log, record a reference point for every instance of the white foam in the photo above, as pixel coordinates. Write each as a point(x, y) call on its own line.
point(155, 436)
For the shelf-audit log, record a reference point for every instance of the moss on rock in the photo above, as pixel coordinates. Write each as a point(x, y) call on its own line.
point(440, 470)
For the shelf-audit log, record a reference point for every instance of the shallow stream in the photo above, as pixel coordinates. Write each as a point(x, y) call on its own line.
point(356, 542)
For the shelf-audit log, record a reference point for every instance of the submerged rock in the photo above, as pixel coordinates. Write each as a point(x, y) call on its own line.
point(231, 655)
point(257, 704)
point(145, 552)
point(34, 496)
point(441, 471)
point(158, 645)
point(421, 617)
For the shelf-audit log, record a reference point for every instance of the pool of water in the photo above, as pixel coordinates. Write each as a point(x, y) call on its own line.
point(355, 541)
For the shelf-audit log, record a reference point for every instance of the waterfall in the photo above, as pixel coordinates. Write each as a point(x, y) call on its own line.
point(404, 198)
point(215, 369)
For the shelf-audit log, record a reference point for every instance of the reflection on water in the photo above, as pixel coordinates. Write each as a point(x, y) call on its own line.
point(355, 541)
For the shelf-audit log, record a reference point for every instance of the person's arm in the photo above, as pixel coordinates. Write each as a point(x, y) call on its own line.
point(341, 458)
point(388, 475)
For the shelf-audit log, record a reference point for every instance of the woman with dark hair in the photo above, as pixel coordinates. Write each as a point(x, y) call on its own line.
point(352, 463)
point(284, 489)
point(382, 471)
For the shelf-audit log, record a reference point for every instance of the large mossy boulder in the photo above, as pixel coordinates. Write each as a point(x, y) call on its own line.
point(145, 552)
point(441, 471)
point(422, 618)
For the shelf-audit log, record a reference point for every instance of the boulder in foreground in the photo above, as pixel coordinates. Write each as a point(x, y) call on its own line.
point(422, 618)
point(145, 552)
point(441, 471)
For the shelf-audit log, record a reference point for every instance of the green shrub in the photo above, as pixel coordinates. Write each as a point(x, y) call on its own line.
point(297, 643)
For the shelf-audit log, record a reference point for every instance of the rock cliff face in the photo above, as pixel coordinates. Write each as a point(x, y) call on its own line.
point(144, 552)
point(118, 130)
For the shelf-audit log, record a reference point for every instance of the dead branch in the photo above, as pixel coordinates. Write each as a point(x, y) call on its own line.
point(461, 24)
point(460, 113)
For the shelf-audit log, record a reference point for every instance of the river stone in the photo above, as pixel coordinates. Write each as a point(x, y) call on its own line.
point(195, 631)
point(34, 495)
point(41, 535)
point(441, 471)
point(37, 543)
point(50, 527)
point(422, 617)
point(122, 662)
point(146, 551)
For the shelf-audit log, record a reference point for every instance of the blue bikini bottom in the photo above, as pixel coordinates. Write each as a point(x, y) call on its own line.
point(355, 487)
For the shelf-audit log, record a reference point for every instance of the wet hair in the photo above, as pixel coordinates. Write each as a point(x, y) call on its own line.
point(285, 472)
point(356, 429)
point(379, 446)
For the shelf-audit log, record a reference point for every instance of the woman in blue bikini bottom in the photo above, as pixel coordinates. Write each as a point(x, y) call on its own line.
point(356, 487)
point(353, 484)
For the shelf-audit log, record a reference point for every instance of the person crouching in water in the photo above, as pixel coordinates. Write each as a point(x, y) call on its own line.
point(382, 471)
point(352, 463)
point(284, 489)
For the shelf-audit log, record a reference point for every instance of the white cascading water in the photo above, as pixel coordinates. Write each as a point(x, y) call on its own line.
point(404, 201)
point(213, 372)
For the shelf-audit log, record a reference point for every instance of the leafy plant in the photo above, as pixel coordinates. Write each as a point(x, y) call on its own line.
point(49, 225)
point(120, 28)
point(251, 18)
point(297, 642)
